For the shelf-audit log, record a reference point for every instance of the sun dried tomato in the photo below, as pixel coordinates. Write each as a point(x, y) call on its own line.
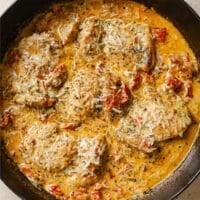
point(159, 34)
point(174, 83)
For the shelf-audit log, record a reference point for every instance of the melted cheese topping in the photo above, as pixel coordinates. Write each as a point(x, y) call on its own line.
point(155, 117)
point(88, 89)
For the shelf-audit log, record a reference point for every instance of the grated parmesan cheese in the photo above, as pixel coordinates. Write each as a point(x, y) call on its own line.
point(157, 117)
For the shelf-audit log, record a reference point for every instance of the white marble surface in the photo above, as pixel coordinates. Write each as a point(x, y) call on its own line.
point(192, 193)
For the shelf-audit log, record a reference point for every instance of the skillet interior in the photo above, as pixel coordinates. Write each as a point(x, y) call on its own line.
point(188, 23)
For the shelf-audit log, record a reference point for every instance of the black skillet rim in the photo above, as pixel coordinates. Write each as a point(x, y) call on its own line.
point(43, 195)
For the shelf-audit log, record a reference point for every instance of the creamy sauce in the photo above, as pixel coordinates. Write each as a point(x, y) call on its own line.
point(127, 172)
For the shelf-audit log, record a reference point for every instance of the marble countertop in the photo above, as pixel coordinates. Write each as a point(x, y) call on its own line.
point(191, 193)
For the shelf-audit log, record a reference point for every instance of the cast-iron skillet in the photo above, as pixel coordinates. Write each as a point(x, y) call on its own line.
point(187, 22)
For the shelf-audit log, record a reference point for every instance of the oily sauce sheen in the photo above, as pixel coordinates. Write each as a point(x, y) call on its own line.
point(100, 100)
